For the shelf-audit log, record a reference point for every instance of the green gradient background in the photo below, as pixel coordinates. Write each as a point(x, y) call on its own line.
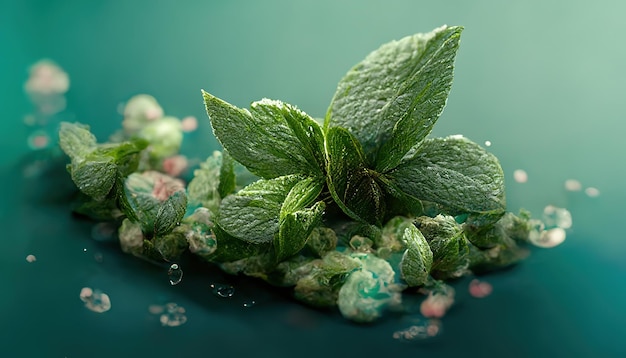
point(542, 80)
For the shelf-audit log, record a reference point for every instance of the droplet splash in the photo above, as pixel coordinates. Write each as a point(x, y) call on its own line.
point(95, 300)
point(173, 315)
point(175, 274)
point(222, 290)
point(31, 258)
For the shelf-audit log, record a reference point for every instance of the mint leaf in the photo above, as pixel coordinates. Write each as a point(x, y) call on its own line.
point(455, 173)
point(272, 139)
point(212, 181)
point(295, 228)
point(94, 178)
point(252, 214)
point(353, 187)
point(230, 248)
point(417, 259)
point(170, 213)
point(303, 193)
point(228, 179)
point(76, 140)
point(395, 95)
point(139, 203)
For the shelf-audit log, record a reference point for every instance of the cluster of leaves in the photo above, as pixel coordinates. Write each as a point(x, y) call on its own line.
point(349, 211)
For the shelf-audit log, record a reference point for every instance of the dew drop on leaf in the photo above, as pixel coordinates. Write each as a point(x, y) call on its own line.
point(222, 290)
point(175, 274)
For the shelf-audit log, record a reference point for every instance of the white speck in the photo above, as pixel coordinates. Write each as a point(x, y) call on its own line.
point(549, 238)
point(573, 185)
point(592, 192)
point(520, 176)
point(84, 250)
point(31, 258)
point(487, 143)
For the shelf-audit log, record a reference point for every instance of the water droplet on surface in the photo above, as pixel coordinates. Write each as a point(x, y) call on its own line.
point(173, 315)
point(31, 258)
point(95, 300)
point(549, 238)
point(85, 250)
point(419, 331)
point(573, 185)
point(487, 143)
point(222, 290)
point(592, 192)
point(520, 176)
point(557, 217)
point(480, 289)
point(175, 273)
point(249, 304)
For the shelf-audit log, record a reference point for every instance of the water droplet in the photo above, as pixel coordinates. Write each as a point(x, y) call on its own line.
point(480, 289)
point(95, 300)
point(175, 273)
point(487, 143)
point(173, 315)
point(31, 258)
point(557, 217)
point(549, 238)
point(520, 176)
point(421, 330)
point(223, 290)
point(249, 303)
point(85, 250)
point(592, 192)
point(573, 185)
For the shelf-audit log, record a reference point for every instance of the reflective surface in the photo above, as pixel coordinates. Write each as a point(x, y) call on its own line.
point(540, 82)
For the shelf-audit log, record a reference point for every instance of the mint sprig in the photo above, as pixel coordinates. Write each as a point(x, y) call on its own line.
point(349, 212)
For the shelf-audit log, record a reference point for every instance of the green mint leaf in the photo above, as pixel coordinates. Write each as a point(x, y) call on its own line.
point(448, 244)
point(272, 139)
point(353, 187)
point(76, 140)
point(142, 204)
point(252, 214)
point(417, 259)
point(230, 248)
point(294, 230)
point(171, 245)
point(170, 213)
point(455, 173)
point(228, 179)
point(212, 181)
point(94, 178)
point(303, 193)
point(395, 95)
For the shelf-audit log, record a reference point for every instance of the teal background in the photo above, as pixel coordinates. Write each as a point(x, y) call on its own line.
point(542, 80)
